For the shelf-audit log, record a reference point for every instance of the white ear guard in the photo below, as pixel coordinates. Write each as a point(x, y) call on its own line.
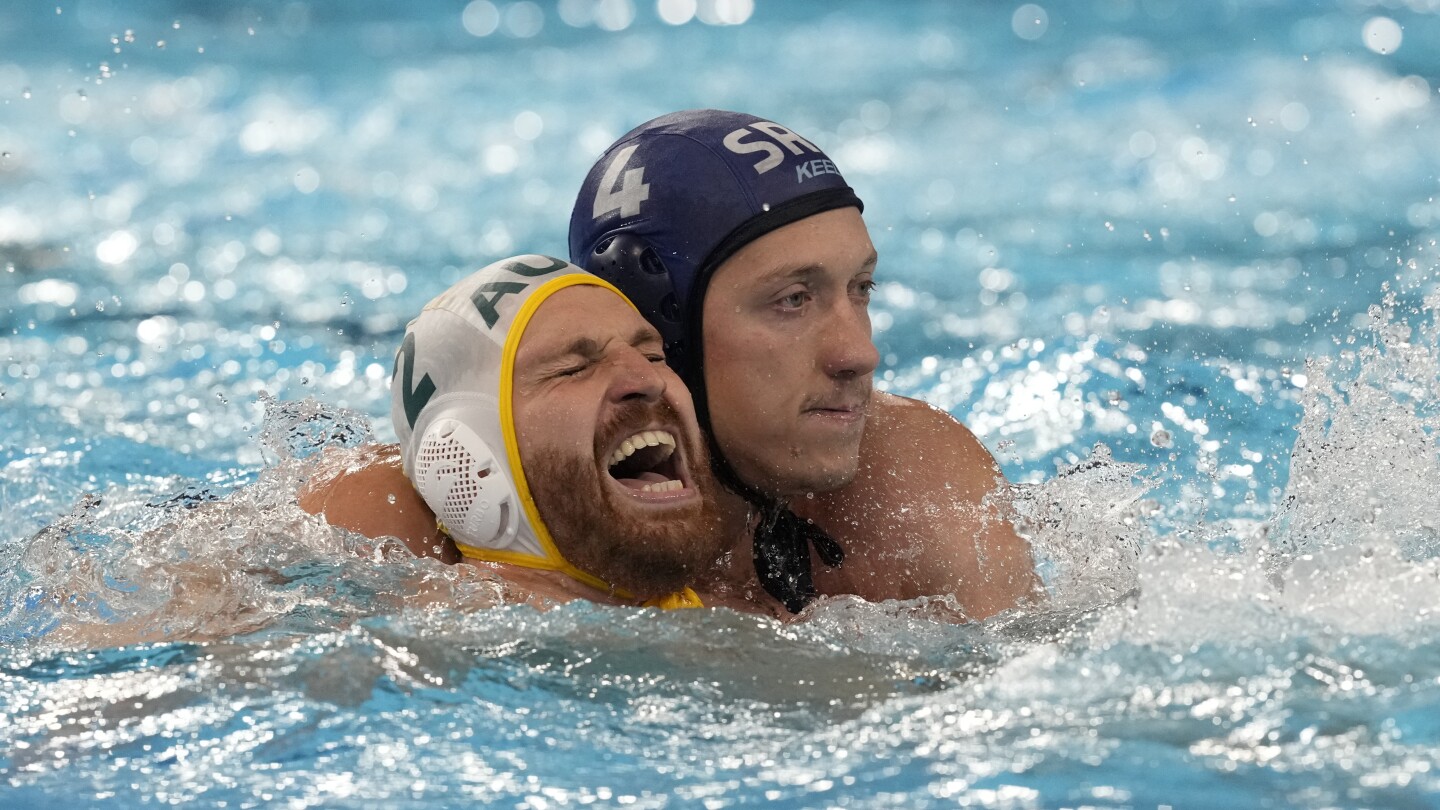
point(459, 476)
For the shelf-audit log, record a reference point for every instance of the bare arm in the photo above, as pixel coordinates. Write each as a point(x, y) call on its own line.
point(369, 494)
point(927, 514)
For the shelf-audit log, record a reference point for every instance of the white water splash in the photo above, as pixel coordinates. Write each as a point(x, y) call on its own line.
point(1352, 548)
point(198, 566)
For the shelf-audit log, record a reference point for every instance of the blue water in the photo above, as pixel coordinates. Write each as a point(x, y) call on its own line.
point(1174, 263)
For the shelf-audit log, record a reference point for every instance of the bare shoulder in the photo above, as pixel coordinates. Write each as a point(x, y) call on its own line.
point(366, 491)
point(927, 514)
point(907, 429)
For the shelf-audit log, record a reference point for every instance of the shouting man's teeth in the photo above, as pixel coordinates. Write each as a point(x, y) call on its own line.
point(647, 462)
point(648, 438)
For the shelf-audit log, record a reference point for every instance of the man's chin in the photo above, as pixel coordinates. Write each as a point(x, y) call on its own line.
point(813, 478)
point(653, 551)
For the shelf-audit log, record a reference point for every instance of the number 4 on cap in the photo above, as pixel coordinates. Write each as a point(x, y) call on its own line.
point(632, 191)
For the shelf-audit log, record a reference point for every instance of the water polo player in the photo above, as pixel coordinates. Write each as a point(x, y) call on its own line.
point(743, 244)
point(544, 435)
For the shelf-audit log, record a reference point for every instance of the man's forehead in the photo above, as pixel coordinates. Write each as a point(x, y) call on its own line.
point(583, 313)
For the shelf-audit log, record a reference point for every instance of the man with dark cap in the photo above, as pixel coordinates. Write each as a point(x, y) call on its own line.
point(742, 243)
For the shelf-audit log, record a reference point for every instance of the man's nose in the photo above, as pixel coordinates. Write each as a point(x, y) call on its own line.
point(847, 350)
point(635, 377)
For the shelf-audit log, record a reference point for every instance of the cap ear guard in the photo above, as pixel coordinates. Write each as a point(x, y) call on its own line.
point(630, 263)
point(463, 482)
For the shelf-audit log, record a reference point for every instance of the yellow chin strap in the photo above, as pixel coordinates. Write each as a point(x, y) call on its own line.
point(684, 598)
point(553, 560)
point(679, 600)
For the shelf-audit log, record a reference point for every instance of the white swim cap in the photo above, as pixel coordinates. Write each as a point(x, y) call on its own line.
point(452, 406)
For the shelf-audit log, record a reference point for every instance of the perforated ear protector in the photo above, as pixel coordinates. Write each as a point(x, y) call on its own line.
point(457, 472)
point(631, 264)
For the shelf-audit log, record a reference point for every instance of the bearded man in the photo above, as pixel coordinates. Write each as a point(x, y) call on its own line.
point(542, 436)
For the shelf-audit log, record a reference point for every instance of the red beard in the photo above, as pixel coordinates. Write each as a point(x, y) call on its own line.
point(597, 531)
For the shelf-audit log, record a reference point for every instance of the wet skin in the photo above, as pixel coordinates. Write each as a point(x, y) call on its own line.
point(607, 436)
point(917, 502)
point(788, 355)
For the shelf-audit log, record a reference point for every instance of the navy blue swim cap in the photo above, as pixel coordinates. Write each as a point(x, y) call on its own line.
point(675, 197)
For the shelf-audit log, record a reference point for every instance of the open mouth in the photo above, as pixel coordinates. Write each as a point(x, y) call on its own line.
point(648, 462)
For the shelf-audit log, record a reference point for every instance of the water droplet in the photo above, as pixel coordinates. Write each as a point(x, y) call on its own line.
point(175, 25)
point(1109, 226)
point(25, 93)
point(160, 43)
point(99, 306)
point(129, 35)
point(1160, 438)
point(391, 500)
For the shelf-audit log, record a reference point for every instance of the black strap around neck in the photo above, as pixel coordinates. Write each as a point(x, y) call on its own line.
point(782, 555)
point(782, 540)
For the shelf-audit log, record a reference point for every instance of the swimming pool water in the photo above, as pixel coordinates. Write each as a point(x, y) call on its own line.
point(1175, 264)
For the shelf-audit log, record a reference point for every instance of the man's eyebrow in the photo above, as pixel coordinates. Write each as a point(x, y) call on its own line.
point(586, 347)
point(643, 335)
point(590, 348)
point(809, 270)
